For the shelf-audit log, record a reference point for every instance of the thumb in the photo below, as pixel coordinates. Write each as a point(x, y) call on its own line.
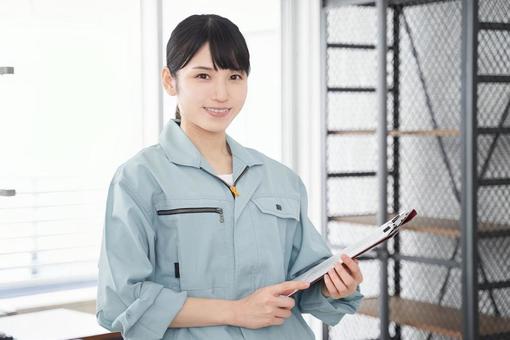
point(287, 287)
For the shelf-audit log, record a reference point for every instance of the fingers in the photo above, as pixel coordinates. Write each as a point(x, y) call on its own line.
point(333, 292)
point(289, 292)
point(353, 267)
point(340, 287)
point(343, 278)
point(289, 286)
point(283, 313)
point(285, 302)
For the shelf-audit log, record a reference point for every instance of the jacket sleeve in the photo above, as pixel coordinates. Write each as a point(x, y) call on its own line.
point(127, 300)
point(309, 249)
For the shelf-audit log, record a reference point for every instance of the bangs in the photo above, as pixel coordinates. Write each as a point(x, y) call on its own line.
point(227, 50)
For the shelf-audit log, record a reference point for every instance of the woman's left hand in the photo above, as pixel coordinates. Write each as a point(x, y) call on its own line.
point(342, 279)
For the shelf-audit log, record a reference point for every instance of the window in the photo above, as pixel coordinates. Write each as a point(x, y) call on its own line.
point(70, 114)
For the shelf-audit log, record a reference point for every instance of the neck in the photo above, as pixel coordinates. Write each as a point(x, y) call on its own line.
point(212, 145)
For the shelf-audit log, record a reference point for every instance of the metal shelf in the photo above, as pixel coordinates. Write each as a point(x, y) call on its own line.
point(494, 26)
point(400, 133)
point(419, 133)
point(433, 318)
point(417, 69)
point(432, 225)
point(493, 78)
point(407, 3)
point(353, 89)
point(354, 46)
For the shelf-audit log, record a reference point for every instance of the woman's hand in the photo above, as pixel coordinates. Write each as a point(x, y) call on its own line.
point(342, 280)
point(267, 306)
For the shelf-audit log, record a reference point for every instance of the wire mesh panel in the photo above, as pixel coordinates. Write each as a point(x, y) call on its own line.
point(424, 162)
point(352, 146)
point(493, 106)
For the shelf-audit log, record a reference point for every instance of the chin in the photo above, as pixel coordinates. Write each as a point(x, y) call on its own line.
point(211, 124)
point(215, 126)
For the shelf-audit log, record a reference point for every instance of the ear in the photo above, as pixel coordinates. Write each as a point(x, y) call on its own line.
point(169, 82)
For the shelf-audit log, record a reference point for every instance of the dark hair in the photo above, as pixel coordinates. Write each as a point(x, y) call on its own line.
point(226, 43)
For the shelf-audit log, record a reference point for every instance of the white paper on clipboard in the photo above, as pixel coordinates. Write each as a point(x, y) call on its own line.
point(378, 236)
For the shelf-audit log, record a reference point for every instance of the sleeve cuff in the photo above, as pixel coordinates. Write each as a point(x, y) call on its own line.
point(157, 315)
point(165, 308)
point(327, 309)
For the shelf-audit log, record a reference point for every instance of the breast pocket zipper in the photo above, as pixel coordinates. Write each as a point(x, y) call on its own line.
point(193, 211)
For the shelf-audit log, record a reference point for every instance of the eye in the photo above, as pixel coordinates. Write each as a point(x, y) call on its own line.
point(233, 77)
point(202, 76)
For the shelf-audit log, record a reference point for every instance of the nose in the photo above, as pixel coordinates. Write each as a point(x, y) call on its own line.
point(221, 91)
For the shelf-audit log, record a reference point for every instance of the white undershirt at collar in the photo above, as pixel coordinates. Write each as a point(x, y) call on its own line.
point(227, 178)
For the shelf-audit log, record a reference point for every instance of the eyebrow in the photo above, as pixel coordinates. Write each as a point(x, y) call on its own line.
point(209, 68)
point(203, 68)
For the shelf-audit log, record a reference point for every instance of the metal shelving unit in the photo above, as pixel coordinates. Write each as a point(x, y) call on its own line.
point(417, 114)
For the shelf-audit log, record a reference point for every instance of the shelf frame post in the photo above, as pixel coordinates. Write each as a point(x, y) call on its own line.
point(382, 171)
point(470, 319)
point(395, 170)
point(324, 135)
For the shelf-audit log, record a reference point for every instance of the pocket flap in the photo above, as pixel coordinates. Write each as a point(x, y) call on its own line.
point(279, 206)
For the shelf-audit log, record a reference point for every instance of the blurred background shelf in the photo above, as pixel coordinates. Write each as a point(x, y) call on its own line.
point(400, 133)
point(433, 225)
point(433, 318)
point(439, 90)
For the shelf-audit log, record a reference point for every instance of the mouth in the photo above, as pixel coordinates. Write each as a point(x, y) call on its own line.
point(218, 111)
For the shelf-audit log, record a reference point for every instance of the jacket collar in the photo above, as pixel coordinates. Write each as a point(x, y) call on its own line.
point(181, 150)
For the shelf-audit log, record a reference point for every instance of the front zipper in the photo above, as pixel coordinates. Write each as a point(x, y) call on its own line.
point(233, 190)
point(233, 187)
point(193, 211)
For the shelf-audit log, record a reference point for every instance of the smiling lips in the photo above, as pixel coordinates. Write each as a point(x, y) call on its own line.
point(218, 111)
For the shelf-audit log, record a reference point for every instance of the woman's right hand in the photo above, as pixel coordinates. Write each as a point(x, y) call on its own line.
point(267, 306)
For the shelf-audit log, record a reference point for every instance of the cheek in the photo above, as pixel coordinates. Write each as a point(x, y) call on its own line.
point(192, 95)
point(241, 92)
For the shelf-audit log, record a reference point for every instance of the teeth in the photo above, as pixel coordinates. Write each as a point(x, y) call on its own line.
point(216, 110)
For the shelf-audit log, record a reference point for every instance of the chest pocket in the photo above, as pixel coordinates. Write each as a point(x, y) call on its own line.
point(282, 207)
point(201, 236)
point(275, 221)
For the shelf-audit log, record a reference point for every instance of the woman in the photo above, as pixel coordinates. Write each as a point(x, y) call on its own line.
point(203, 236)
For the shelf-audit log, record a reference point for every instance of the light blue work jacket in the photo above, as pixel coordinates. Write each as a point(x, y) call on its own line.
point(173, 230)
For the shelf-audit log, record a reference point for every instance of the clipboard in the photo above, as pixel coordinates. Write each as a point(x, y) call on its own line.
point(378, 236)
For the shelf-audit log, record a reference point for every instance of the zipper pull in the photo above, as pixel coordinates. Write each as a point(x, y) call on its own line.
point(234, 191)
point(222, 218)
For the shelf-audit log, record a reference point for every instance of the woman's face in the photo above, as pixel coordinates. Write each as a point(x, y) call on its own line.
point(207, 98)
